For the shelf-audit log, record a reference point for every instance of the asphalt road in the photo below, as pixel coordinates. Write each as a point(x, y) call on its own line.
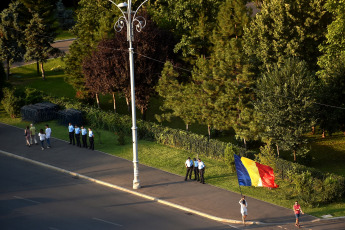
point(34, 197)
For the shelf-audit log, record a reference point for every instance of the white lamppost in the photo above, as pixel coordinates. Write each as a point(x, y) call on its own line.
point(140, 23)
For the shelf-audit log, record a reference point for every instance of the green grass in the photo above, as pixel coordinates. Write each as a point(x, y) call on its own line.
point(172, 160)
point(26, 76)
point(63, 35)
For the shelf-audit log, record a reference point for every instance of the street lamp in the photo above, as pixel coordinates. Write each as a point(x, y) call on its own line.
point(140, 23)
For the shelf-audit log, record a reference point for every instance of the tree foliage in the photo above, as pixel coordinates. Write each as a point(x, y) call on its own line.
point(38, 42)
point(11, 34)
point(287, 28)
point(286, 96)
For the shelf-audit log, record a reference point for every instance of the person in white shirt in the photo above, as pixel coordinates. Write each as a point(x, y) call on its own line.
point(42, 137)
point(83, 136)
point(48, 134)
point(201, 167)
point(91, 139)
point(244, 206)
point(189, 167)
point(71, 133)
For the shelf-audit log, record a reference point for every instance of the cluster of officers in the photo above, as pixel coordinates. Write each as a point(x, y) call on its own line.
point(196, 166)
point(74, 133)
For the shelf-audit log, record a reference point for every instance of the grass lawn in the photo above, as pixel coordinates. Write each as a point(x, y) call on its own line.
point(64, 34)
point(172, 160)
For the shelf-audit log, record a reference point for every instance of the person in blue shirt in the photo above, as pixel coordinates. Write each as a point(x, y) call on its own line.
point(77, 135)
point(71, 134)
point(83, 136)
point(91, 139)
point(196, 170)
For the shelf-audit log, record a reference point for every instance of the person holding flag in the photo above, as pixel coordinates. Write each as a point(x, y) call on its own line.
point(244, 210)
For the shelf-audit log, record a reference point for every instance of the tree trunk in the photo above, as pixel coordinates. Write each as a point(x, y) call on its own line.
point(97, 100)
point(43, 73)
point(209, 131)
point(294, 156)
point(143, 114)
point(8, 69)
point(277, 149)
point(38, 67)
point(114, 101)
point(128, 104)
point(245, 143)
point(313, 130)
point(187, 127)
point(323, 133)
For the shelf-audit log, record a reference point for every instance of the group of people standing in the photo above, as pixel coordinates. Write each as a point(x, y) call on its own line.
point(44, 136)
point(74, 133)
point(196, 166)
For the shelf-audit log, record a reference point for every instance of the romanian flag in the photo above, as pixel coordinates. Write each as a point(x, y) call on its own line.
point(251, 173)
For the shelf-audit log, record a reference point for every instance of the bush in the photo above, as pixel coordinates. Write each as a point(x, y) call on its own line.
point(12, 102)
point(32, 96)
point(229, 157)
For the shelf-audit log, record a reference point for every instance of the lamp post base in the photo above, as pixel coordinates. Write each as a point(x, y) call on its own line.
point(136, 185)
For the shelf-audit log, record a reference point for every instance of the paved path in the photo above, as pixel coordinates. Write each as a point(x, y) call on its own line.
point(203, 198)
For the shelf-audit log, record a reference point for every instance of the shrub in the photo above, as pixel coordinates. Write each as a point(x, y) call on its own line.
point(12, 102)
point(229, 157)
point(32, 96)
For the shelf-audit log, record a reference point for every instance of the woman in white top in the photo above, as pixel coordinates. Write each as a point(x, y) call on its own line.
point(244, 205)
point(42, 136)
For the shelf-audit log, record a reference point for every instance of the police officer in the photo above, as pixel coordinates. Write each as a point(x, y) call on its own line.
point(91, 139)
point(83, 136)
point(201, 167)
point(71, 134)
point(77, 135)
point(189, 167)
point(196, 170)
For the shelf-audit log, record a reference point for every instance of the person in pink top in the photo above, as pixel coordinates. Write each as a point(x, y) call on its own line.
point(297, 209)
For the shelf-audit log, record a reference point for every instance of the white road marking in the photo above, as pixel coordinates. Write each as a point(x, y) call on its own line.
point(108, 222)
point(21, 198)
point(233, 226)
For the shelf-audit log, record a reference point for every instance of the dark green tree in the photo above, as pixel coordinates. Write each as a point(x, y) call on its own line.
point(287, 28)
point(38, 43)
point(286, 96)
point(11, 35)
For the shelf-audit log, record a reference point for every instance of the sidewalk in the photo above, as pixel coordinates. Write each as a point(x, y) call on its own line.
point(204, 199)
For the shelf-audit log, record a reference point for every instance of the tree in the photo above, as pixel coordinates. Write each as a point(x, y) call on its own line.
point(45, 9)
point(64, 16)
point(94, 21)
point(38, 42)
point(286, 102)
point(332, 72)
point(287, 28)
point(11, 35)
point(178, 98)
point(192, 22)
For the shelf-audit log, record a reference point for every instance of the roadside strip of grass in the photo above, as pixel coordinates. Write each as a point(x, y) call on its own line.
point(172, 160)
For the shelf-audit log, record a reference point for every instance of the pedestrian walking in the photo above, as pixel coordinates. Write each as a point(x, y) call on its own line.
point(244, 210)
point(33, 134)
point(48, 134)
point(91, 139)
point(42, 137)
point(71, 134)
point(27, 136)
point(189, 167)
point(201, 167)
point(83, 136)
point(196, 170)
point(297, 210)
point(77, 135)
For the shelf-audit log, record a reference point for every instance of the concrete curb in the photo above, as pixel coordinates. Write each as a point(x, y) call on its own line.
point(167, 203)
